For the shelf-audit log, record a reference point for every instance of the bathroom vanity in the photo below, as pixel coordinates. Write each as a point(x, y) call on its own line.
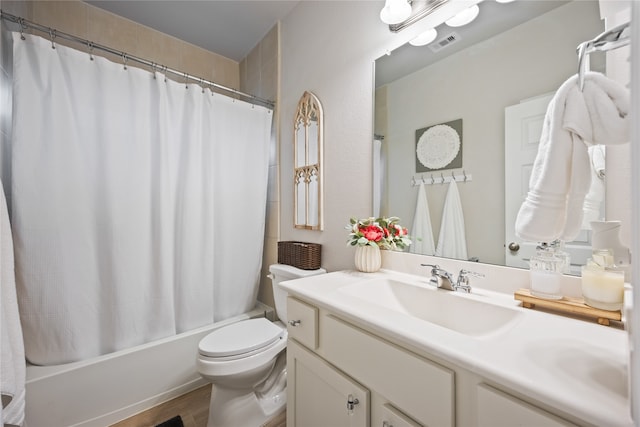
point(388, 349)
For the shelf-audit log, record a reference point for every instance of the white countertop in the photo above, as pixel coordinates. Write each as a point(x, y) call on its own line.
point(575, 366)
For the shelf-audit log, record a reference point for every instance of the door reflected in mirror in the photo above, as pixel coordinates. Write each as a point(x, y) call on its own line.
point(511, 54)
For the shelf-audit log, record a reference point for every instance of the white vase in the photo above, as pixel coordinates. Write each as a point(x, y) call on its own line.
point(368, 258)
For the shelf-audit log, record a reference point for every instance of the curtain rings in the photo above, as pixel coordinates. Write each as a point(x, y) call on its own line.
point(202, 84)
point(23, 26)
point(124, 60)
point(186, 80)
point(153, 69)
point(52, 36)
point(90, 46)
point(165, 73)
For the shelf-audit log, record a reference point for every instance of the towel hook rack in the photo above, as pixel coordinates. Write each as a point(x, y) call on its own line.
point(465, 175)
point(433, 181)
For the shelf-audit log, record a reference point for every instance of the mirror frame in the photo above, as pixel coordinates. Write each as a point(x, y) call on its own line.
point(309, 170)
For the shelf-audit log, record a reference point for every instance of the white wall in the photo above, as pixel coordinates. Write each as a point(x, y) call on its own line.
point(328, 48)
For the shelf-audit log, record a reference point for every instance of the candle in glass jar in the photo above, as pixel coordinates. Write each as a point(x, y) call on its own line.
point(602, 288)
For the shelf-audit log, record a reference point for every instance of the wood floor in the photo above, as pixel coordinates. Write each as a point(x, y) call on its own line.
point(193, 409)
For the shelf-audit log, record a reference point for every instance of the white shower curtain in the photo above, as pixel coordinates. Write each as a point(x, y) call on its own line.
point(138, 205)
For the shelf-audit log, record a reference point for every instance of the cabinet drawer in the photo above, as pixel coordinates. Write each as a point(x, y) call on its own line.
point(422, 389)
point(499, 409)
point(302, 323)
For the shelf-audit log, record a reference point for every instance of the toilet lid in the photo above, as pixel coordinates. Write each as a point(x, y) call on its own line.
point(241, 337)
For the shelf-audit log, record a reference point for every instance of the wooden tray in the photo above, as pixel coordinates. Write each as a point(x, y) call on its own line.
point(568, 305)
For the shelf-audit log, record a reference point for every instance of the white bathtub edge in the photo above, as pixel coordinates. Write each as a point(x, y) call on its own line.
point(112, 388)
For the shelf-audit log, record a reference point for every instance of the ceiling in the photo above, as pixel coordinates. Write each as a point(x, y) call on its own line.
point(230, 28)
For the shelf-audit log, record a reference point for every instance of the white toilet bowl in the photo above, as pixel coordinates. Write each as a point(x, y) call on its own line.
point(240, 359)
point(246, 363)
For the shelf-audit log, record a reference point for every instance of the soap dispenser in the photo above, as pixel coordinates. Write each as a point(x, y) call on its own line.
point(606, 236)
point(546, 269)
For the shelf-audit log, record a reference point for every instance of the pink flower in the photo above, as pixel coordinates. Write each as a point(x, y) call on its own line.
point(399, 230)
point(372, 233)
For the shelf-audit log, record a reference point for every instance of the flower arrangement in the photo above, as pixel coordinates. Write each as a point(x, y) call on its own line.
point(386, 233)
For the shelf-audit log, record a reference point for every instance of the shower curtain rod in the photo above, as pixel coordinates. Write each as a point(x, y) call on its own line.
point(53, 34)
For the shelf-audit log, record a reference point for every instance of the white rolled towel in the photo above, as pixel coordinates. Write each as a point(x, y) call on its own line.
point(561, 177)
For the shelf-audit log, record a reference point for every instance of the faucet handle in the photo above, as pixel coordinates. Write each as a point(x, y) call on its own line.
point(431, 265)
point(464, 273)
point(463, 280)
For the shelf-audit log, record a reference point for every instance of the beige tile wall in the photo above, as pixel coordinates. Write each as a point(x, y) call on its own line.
point(89, 22)
point(259, 75)
point(256, 74)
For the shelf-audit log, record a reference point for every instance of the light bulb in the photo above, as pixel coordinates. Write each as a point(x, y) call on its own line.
point(463, 17)
point(424, 38)
point(395, 11)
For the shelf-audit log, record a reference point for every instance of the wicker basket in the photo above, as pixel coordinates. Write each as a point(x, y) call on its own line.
point(306, 256)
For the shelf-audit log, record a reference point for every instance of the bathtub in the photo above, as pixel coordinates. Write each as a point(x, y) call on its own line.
point(107, 389)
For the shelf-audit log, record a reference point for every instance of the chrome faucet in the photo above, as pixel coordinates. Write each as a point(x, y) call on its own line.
point(442, 279)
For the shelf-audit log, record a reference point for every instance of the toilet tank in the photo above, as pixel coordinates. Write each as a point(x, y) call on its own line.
point(280, 273)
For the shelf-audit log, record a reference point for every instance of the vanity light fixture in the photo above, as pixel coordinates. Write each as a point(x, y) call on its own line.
point(424, 38)
point(504, 1)
point(463, 17)
point(395, 11)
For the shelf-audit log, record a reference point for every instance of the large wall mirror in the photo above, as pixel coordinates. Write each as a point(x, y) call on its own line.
point(307, 173)
point(513, 54)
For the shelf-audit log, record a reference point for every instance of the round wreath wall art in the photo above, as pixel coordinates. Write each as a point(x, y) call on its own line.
point(438, 146)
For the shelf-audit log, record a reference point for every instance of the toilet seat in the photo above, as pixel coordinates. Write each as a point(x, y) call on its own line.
point(241, 339)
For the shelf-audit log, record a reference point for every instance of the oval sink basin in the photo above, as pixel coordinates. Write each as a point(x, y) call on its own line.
point(448, 309)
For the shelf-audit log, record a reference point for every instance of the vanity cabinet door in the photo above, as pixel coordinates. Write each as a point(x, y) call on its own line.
point(392, 417)
point(498, 409)
point(417, 386)
point(318, 395)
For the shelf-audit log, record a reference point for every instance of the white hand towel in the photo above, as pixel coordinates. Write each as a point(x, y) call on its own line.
point(422, 232)
point(560, 177)
point(452, 241)
point(12, 361)
point(595, 196)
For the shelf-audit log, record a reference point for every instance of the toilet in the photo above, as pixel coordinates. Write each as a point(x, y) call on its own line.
point(246, 362)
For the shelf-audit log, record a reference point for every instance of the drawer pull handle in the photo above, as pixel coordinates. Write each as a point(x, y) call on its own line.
point(294, 323)
point(351, 403)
